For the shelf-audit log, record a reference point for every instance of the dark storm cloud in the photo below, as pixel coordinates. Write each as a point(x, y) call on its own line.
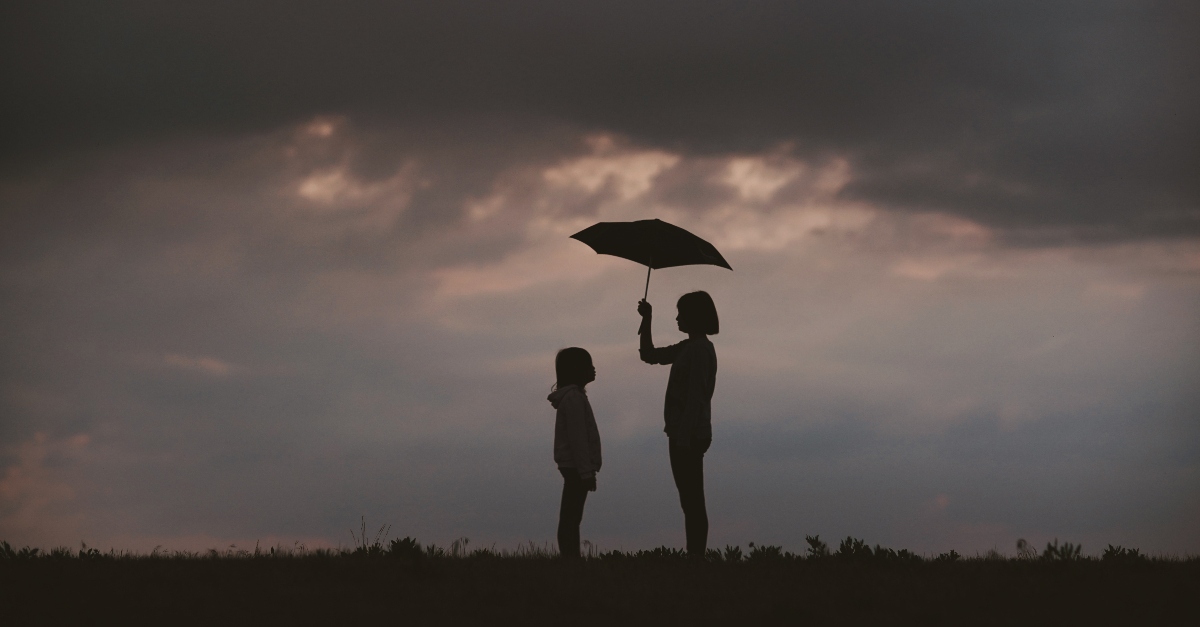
point(1073, 115)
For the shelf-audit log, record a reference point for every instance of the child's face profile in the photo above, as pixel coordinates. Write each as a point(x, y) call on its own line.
point(573, 366)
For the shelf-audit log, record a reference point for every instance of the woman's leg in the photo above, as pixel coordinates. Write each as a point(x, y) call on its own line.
point(687, 466)
point(570, 513)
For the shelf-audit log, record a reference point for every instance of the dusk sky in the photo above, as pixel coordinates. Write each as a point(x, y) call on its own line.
point(270, 267)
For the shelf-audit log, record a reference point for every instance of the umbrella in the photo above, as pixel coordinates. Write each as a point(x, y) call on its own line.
point(652, 243)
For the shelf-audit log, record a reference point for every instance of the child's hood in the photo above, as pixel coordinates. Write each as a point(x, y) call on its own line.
point(558, 395)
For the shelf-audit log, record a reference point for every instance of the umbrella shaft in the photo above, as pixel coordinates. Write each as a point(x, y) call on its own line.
point(647, 293)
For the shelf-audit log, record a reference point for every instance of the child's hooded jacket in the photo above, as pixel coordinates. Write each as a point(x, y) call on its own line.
point(576, 438)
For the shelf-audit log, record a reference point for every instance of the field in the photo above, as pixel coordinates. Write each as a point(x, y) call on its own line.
point(408, 584)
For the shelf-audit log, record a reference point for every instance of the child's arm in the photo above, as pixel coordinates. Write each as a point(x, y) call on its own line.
point(576, 424)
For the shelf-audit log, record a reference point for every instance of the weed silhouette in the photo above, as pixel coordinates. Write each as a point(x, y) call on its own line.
point(373, 548)
point(759, 554)
point(1122, 554)
point(661, 553)
point(854, 549)
point(733, 554)
point(1025, 550)
point(405, 549)
point(816, 548)
point(1066, 552)
point(952, 556)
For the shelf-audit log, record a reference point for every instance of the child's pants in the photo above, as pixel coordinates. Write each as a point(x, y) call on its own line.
point(570, 513)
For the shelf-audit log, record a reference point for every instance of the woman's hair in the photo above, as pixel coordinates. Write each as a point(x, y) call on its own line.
point(700, 312)
point(572, 366)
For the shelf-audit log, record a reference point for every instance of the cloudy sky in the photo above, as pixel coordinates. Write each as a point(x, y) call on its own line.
point(270, 267)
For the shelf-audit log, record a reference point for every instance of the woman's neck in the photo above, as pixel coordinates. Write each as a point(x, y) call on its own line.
point(697, 336)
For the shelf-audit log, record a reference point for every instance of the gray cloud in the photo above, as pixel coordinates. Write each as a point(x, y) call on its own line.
point(257, 339)
point(1075, 116)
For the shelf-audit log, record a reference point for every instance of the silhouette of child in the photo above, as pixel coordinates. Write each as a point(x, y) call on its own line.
point(576, 442)
point(688, 407)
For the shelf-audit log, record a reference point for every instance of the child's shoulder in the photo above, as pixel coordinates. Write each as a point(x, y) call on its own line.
point(574, 399)
point(573, 392)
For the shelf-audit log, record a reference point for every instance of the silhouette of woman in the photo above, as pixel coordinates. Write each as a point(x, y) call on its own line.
point(688, 406)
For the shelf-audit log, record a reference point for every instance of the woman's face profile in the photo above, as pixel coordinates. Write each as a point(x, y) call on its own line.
point(681, 322)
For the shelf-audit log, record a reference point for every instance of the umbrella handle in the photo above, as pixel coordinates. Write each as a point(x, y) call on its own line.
point(642, 326)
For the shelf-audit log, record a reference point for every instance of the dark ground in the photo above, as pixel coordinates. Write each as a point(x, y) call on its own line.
point(350, 589)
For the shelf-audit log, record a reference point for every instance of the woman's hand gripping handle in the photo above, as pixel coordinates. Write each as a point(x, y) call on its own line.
point(647, 312)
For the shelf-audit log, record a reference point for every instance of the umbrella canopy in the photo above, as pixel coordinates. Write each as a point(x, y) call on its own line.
point(652, 243)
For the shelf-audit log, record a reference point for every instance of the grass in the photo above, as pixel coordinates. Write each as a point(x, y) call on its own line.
point(402, 581)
